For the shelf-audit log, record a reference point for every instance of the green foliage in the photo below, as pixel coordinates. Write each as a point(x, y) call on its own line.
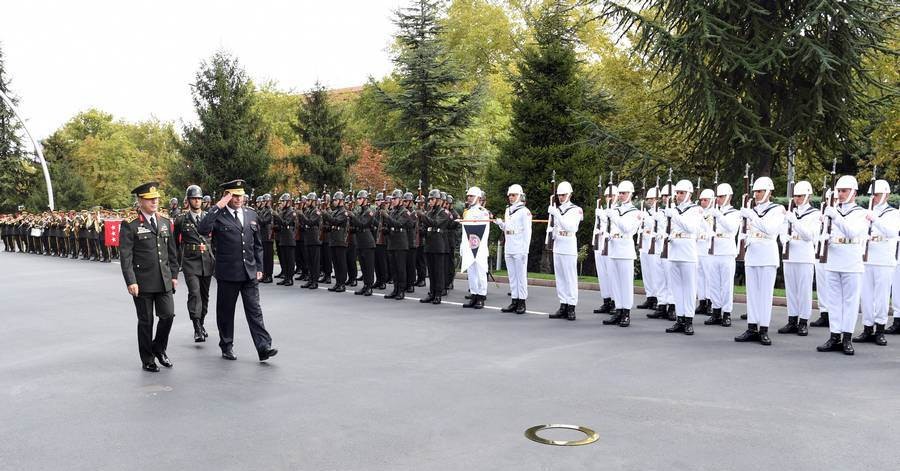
point(230, 140)
point(16, 171)
point(321, 125)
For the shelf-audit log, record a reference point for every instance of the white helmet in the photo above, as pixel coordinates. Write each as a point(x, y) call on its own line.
point(515, 189)
point(666, 190)
point(882, 186)
point(763, 183)
point(846, 182)
point(474, 191)
point(707, 194)
point(626, 186)
point(724, 189)
point(564, 188)
point(684, 185)
point(611, 190)
point(652, 193)
point(802, 188)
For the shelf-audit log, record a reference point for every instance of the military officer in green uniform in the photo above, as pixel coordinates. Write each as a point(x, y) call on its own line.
point(149, 261)
point(197, 261)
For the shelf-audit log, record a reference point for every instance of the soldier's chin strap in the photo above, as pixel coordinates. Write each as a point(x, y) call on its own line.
point(849, 197)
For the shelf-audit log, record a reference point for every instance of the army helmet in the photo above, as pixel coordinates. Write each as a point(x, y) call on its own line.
point(303, 198)
point(267, 197)
point(312, 196)
point(396, 194)
point(408, 196)
point(362, 194)
point(193, 191)
point(338, 195)
point(173, 202)
point(259, 199)
point(435, 193)
point(348, 198)
point(443, 196)
point(450, 198)
point(420, 199)
point(379, 196)
point(207, 198)
point(285, 197)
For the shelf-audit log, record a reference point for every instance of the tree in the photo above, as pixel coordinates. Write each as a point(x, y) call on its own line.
point(431, 111)
point(16, 171)
point(751, 78)
point(321, 126)
point(230, 140)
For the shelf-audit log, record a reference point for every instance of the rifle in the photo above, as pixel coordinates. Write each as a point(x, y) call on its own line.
point(712, 240)
point(665, 249)
point(380, 239)
point(652, 250)
point(418, 242)
point(609, 204)
point(871, 200)
point(745, 202)
point(790, 229)
point(548, 237)
point(643, 197)
point(596, 243)
point(824, 255)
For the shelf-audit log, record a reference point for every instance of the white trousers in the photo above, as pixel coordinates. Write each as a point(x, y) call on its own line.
point(843, 289)
point(477, 279)
point(798, 284)
point(683, 276)
point(603, 274)
point(647, 272)
point(702, 287)
point(895, 292)
point(517, 269)
point(665, 281)
point(721, 282)
point(760, 288)
point(566, 269)
point(875, 294)
point(623, 282)
point(822, 288)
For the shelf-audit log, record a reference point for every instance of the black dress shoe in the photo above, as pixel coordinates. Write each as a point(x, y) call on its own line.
point(314, 286)
point(822, 321)
point(749, 335)
point(833, 344)
point(436, 300)
point(420, 284)
point(520, 308)
point(411, 289)
point(279, 275)
point(401, 294)
point(228, 355)
point(340, 289)
point(361, 291)
point(281, 282)
point(353, 284)
point(427, 299)
point(288, 282)
point(267, 279)
point(512, 306)
point(267, 353)
point(163, 359)
point(151, 367)
point(368, 292)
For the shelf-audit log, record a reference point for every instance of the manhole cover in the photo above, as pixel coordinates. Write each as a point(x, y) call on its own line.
point(590, 435)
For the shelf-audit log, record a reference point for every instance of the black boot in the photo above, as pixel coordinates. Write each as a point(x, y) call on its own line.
point(512, 306)
point(427, 299)
point(560, 313)
point(688, 325)
point(392, 294)
point(280, 275)
point(368, 291)
point(436, 300)
point(833, 344)
point(649, 303)
point(802, 327)
point(410, 289)
point(340, 288)
point(570, 312)
point(847, 343)
point(726, 319)
point(715, 318)
point(671, 313)
point(606, 308)
point(625, 317)
point(822, 321)
point(614, 318)
point(749, 335)
point(520, 308)
point(867, 335)
point(764, 336)
point(314, 285)
point(791, 327)
point(198, 333)
point(701, 308)
point(879, 335)
point(678, 326)
point(361, 291)
point(744, 316)
point(401, 295)
point(479, 301)
point(894, 329)
point(353, 283)
point(660, 312)
point(287, 282)
point(472, 301)
point(267, 279)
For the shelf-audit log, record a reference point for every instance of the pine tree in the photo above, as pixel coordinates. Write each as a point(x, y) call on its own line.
point(750, 77)
point(321, 125)
point(230, 140)
point(17, 174)
point(433, 112)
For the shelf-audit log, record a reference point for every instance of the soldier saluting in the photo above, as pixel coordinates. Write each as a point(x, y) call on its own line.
point(150, 266)
point(197, 261)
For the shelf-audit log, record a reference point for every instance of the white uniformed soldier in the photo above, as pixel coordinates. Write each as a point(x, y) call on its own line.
point(879, 265)
point(602, 261)
point(516, 226)
point(477, 274)
point(705, 201)
point(721, 263)
point(844, 265)
point(799, 238)
point(687, 225)
point(624, 221)
point(566, 219)
point(649, 262)
point(761, 261)
point(821, 273)
point(665, 308)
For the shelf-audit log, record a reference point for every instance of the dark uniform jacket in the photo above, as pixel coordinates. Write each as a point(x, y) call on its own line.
point(436, 223)
point(265, 218)
point(238, 250)
point(148, 258)
point(194, 248)
point(362, 220)
point(285, 223)
point(309, 226)
point(397, 223)
point(337, 222)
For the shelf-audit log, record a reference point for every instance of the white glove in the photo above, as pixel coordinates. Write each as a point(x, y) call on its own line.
point(670, 212)
point(870, 216)
point(714, 212)
point(553, 210)
point(748, 213)
point(498, 221)
point(612, 214)
point(832, 212)
point(791, 217)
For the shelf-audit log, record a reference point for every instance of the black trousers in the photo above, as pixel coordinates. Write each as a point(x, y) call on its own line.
point(421, 263)
point(325, 253)
point(268, 258)
point(226, 298)
point(450, 268)
point(312, 261)
point(339, 258)
point(367, 264)
point(300, 259)
point(381, 265)
point(286, 260)
point(198, 295)
point(436, 273)
point(144, 305)
point(411, 267)
point(398, 258)
point(351, 263)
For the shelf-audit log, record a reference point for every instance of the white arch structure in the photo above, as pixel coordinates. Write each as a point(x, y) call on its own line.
point(37, 150)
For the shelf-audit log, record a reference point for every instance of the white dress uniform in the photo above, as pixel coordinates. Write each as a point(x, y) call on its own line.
point(880, 265)
point(624, 220)
point(566, 217)
point(703, 255)
point(799, 267)
point(844, 267)
point(761, 260)
point(477, 274)
point(722, 263)
point(663, 273)
point(821, 281)
point(516, 226)
point(649, 263)
point(687, 225)
point(601, 262)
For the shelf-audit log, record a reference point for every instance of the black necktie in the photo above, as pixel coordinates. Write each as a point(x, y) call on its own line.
point(153, 224)
point(237, 219)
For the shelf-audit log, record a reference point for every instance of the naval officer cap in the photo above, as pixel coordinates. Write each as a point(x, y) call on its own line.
point(235, 187)
point(147, 191)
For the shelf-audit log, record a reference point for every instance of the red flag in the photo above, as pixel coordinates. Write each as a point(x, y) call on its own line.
point(111, 231)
